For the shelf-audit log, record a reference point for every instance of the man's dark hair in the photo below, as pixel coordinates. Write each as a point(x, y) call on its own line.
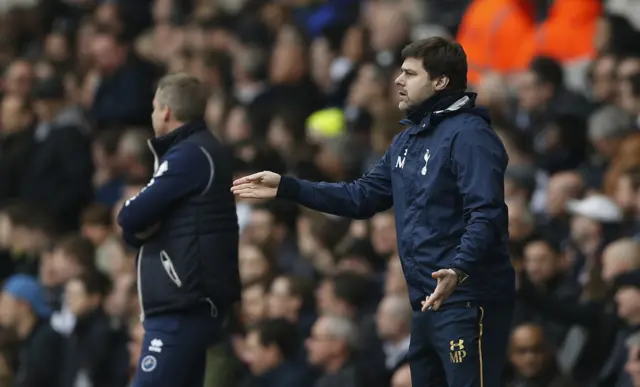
point(97, 214)
point(280, 333)
point(80, 248)
point(95, 283)
point(539, 237)
point(441, 57)
point(547, 70)
point(303, 288)
point(353, 288)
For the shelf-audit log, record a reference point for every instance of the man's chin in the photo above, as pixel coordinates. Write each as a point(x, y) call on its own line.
point(403, 106)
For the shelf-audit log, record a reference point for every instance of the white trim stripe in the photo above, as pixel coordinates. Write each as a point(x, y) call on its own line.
point(212, 170)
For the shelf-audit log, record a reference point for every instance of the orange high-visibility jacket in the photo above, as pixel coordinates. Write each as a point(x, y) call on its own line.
point(503, 36)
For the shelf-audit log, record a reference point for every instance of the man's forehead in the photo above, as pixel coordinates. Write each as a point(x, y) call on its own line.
point(412, 64)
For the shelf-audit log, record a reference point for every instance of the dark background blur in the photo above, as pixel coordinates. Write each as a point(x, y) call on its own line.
point(306, 87)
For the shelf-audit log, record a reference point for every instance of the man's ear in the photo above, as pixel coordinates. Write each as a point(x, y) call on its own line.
point(442, 82)
point(166, 114)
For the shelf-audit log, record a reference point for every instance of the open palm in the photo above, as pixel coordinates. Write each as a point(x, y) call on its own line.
point(261, 185)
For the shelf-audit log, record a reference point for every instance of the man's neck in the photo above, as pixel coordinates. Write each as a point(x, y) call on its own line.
point(396, 340)
point(25, 328)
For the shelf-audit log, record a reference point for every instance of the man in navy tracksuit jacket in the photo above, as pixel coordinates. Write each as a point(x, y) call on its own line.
point(185, 225)
point(444, 177)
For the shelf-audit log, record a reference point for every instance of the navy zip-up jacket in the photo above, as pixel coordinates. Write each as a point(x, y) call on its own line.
point(185, 224)
point(444, 176)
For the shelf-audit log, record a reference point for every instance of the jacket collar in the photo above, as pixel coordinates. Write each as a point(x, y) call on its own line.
point(439, 105)
point(160, 145)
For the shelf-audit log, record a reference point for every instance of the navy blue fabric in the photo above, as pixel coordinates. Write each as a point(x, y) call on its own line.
point(463, 345)
point(185, 224)
point(174, 349)
point(444, 176)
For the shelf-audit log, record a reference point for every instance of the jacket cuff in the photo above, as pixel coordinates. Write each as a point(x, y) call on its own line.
point(460, 264)
point(289, 188)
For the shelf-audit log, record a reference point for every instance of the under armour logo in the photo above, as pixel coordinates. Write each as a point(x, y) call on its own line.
point(427, 155)
point(156, 345)
point(459, 345)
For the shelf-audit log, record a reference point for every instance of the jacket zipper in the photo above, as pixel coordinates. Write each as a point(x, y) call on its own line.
point(167, 263)
point(140, 283)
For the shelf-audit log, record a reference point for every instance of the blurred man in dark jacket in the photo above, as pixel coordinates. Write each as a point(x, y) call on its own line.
point(272, 347)
point(126, 83)
point(59, 172)
point(23, 309)
point(94, 353)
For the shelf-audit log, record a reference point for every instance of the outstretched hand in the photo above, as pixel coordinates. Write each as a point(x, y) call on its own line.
point(447, 282)
point(261, 185)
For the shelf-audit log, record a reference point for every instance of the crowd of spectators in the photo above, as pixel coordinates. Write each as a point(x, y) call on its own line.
point(306, 87)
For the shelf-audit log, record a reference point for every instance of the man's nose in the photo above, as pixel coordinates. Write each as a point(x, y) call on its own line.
point(399, 81)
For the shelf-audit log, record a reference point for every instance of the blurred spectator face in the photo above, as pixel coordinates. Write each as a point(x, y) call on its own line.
point(626, 68)
point(383, 234)
point(107, 14)
point(527, 351)
point(136, 338)
point(279, 137)
point(619, 257)
point(64, 265)
point(368, 87)
point(321, 347)
point(12, 311)
point(14, 115)
point(282, 304)
point(107, 54)
point(252, 263)
point(260, 358)
point(541, 263)
point(629, 102)
point(395, 283)
point(84, 41)
point(254, 304)
point(18, 79)
point(78, 300)
point(214, 112)
point(390, 323)
point(237, 127)
point(56, 48)
point(402, 377)
point(321, 58)
point(521, 222)
point(96, 233)
point(628, 301)
point(49, 276)
point(388, 26)
point(584, 230)
point(603, 79)
point(532, 95)
point(562, 187)
point(44, 69)
point(260, 226)
point(162, 10)
point(288, 62)
point(415, 85)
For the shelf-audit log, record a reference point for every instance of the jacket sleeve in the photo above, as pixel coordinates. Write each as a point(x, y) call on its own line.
point(186, 170)
point(359, 199)
point(479, 161)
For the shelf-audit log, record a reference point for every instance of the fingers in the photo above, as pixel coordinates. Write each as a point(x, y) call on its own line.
point(249, 179)
point(439, 274)
point(433, 301)
point(244, 191)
